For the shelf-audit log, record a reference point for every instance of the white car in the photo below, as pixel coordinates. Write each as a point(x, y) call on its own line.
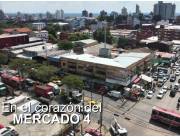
point(149, 94)
point(160, 94)
point(177, 73)
point(164, 89)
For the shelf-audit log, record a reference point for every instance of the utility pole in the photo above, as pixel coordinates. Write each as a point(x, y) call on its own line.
point(101, 113)
point(105, 23)
point(102, 89)
point(83, 113)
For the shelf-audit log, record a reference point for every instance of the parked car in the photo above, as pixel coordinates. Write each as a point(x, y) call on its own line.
point(114, 94)
point(93, 132)
point(172, 93)
point(149, 94)
point(173, 78)
point(160, 94)
point(178, 80)
point(165, 88)
point(176, 86)
point(160, 83)
point(177, 73)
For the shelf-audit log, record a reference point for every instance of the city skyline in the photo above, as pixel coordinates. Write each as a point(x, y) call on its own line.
point(78, 6)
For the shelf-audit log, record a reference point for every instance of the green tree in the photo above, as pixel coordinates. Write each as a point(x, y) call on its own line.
point(3, 59)
point(24, 66)
point(44, 73)
point(65, 45)
point(52, 38)
point(99, 36)
point(73, 37)
point(73, 82)
point(122, 42)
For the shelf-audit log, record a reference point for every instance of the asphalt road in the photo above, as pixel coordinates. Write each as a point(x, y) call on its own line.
point(135, 115)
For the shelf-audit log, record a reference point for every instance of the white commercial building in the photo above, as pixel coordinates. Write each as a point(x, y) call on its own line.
point(39, 25)
point(118, 70)
point(41, 34)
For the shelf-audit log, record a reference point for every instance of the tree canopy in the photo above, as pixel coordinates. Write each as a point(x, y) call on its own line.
point(44, 73)
point(122, 42)
point(65, 45)
point(73, 82)
point(78, 36)
point(99, 36)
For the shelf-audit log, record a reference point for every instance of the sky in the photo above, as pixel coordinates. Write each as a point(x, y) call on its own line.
point(78, 6)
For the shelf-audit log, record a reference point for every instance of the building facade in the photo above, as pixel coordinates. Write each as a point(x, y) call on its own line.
point(41, 34)
point(7, 41)
point(108, 70)
point(39, 25)
point(165, 10)
point(59, 14)
point(169, 33)
point(124, 11)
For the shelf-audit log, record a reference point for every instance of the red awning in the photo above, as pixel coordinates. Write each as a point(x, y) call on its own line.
point(137, 80)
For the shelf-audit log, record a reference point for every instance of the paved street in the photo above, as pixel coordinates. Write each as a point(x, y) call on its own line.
point(135, 115)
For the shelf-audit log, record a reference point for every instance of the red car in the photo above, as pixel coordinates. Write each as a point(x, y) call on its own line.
point(93, 132)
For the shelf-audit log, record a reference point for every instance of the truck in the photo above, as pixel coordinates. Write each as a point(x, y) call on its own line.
point(44, 91)
point(3, 89)
point(56, 89)
point(132, 93)
point(16, 82)
point(114, 94)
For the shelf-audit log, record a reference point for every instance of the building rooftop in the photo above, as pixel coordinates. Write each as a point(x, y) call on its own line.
point(165, 54)
point(176, 42)
point(61, 23)
point(38, 23)
point(14, 35)
point(20, 30)
point(94, 50)
point(26, 45)
point(43, 31)
point(124, 60)
point(42, 47)
point(87, 41)
point(150, 40)
point(33, 39)
point(174, 27)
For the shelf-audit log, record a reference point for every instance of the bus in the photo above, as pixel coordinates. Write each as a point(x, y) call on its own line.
point(168, 117)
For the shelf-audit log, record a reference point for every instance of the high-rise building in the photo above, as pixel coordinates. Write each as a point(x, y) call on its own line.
point(2, 15)
point(137, 9)
point(165, 10)
point(59, 14)
point(84, 13)
point(90, 14)
point(124, 11)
